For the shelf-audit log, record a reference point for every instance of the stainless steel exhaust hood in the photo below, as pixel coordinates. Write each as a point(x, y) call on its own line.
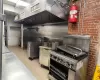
point(44, 11)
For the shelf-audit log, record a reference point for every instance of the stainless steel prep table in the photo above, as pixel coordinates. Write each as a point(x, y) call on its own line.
point(14, 69)
point(5, 50)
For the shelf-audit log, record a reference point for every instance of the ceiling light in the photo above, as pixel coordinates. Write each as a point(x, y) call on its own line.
point(19, 3)
point(14, 1)
point(22, 3)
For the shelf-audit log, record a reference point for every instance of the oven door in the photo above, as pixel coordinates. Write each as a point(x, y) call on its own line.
point(58, 71)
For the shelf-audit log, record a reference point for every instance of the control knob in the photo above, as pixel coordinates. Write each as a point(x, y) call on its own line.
point(70, 66)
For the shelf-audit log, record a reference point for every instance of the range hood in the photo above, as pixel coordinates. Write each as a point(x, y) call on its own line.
point(44, 11)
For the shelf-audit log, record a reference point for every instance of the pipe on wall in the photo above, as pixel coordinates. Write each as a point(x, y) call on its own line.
point(1, 31)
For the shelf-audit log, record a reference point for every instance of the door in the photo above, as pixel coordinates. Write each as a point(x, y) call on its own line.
point(13, 36)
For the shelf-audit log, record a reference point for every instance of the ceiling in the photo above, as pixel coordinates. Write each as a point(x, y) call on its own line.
point(13, 4)
point(9, 3)
point(29, 1)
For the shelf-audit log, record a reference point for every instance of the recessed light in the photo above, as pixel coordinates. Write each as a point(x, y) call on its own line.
point(22, 3)
point(19, 3)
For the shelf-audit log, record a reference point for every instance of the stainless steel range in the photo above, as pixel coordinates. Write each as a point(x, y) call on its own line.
point(69, 61)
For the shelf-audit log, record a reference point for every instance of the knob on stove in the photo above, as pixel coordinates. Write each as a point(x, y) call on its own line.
point(75, 55)
point(71, 65)
point(60, 60)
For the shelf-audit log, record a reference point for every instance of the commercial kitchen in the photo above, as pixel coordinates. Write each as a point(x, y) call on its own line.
point(49, 40)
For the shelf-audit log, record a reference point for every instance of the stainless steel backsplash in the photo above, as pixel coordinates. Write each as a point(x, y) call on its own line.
point(53, 31)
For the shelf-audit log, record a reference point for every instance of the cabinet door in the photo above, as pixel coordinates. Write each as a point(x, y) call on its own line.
point(44, 56)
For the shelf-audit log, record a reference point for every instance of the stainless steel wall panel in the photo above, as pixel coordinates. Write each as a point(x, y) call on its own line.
point(80, 41)
point(53, 31)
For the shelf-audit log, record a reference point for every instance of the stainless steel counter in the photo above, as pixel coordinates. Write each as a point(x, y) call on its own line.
point(14, 69)
point(5, 50)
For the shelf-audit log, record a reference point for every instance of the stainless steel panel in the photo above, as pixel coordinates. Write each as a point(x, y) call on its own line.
point(53, 6)
point(52, 10)
point(38, 6)
point(54, 31)
point(44, 56)
point(71, 75)
point(13, 69)
point(81, 70)
point(33, 49)
point(22, 14)
point(80, 41)
point(5, 50)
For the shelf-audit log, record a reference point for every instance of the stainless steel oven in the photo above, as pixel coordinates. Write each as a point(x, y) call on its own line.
point(69, 61)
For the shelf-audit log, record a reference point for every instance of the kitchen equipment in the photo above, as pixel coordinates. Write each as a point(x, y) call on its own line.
point(66, 68)
point(56, 43)
point(69, 61)
point(33, 49)
point(44, 11)
point(79, 41)
point(44, 56)
point(52, 42)
point(30, 35)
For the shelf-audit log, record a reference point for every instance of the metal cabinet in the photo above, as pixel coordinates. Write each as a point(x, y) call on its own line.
point(33, 50)
point(44, 56)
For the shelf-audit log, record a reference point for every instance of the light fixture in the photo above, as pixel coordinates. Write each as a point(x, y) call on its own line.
point(22, 3)
point(19, 3)
point(13, 1)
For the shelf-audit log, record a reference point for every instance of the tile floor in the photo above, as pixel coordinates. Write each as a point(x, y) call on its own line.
point(34, 66)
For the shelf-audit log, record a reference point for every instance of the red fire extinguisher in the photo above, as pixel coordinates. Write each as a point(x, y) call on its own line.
point(73, 13)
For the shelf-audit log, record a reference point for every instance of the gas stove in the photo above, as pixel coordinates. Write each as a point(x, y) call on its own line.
point(69, 59)
point(66, 61)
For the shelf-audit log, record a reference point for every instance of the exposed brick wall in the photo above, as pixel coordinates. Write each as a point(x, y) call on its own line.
point(89, 23)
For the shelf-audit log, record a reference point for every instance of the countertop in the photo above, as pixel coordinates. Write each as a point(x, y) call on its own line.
point(13, 68)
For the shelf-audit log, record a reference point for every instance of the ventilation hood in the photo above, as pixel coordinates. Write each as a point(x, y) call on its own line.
point(44, 11)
